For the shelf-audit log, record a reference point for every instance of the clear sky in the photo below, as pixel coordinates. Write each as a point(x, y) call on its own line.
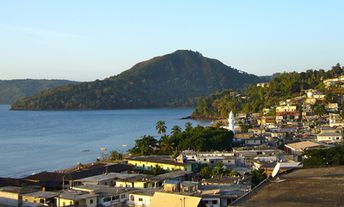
point(87, 40)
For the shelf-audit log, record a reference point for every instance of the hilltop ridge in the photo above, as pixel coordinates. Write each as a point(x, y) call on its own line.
point(171, 80)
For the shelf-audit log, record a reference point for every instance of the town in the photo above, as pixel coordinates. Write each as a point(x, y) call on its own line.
point(284, 145)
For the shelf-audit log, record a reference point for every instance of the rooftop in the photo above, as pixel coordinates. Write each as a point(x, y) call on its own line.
point(42, 194)
point(304, 187)
point(16, 189)
point(173, 200)
point(300, 146)
point(76, 195)
point(106, 176)
point(101, 189)
point(157, 159)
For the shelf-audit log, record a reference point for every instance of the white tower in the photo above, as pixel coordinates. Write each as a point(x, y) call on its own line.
point(231, 121)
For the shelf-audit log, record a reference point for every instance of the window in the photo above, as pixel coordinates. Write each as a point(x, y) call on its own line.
point(107, 199)
point(132, 198)
point(140, 199)
point(63, 204)
point(123, 196)
point(214, 201)
point(41, 200)
point(115, 197)
point(91, 201)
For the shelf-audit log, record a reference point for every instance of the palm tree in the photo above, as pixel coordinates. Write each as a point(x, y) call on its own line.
point(161, 127)
point(176, 130)
point(188, 126)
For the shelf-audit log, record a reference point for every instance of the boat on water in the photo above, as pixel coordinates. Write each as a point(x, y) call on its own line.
point(124, 145)
point(85, 150)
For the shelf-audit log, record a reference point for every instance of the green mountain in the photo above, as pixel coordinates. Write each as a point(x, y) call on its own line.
point(13, 90)
point(174, 79)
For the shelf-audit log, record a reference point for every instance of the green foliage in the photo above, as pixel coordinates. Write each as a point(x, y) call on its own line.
point(171, 80)
point(157, 170)
point(176, 130)
point(161, 127)
point(324, 157)
point(205, 172)
point(319, 109)
point(257, 176)
point(114, 155)
point(13, 90)
point(196, 138)
point(144, 146)
point(254, 98)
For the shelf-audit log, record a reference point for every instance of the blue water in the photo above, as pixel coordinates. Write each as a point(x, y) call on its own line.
point(33, 141)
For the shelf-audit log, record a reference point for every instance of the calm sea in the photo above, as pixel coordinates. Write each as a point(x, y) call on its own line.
point(34, 141)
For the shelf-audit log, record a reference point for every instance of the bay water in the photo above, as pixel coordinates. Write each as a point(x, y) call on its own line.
point(34, 141)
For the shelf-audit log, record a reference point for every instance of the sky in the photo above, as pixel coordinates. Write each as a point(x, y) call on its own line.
point(85, 40)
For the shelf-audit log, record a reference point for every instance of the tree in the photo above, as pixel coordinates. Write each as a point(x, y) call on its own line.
point(188, 126)
point(176, 130)
point(161, 127)
point(258, 175)
point(114, 155)
point(144, 146)
point(205, 172)
point(319, 109)
point(218, 169)
point(165, 145)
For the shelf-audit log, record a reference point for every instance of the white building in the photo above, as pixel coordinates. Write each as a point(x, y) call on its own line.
point(330, 137)
point(231, 121)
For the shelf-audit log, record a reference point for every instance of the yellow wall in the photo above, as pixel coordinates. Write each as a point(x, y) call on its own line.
point(31, 199)
point(138, 184)
point(65, 201)
point(9, 195)
point(154, 164)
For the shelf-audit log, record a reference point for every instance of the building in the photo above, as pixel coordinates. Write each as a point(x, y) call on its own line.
point(103, 179)
point(77, 198)
point(164, 162)
point(330, 137)
point(173, 200)
point(335, 120)
point(263, 85)
point(42, 198)
point(138, 181)
point(141, 198)
point(12, 195)
point(297, 149)
point(231, 122)
point(106, 195)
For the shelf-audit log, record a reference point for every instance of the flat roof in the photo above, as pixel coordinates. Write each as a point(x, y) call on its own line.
point(157, 159)
point(137, 178)
point(42, 194)
point(101, 189)
point(107, 176)
point(303, 145)
point(76, 195)
point(16, 189)
point(304, 187)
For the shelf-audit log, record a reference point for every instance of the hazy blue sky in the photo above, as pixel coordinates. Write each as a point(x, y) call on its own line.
point(87, 40)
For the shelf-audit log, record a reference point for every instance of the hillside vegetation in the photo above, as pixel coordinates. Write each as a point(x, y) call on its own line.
point(13, 90)
point(171, 80)
point(255, 98)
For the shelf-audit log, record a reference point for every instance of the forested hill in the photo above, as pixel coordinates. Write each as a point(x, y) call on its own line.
point(174, 79)
point(253, 99)
point(13, 90)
